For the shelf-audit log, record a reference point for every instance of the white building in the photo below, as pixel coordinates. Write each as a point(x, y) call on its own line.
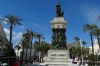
point(19, 53)
point(26, 35)
point(96, 47)
point(3, 45)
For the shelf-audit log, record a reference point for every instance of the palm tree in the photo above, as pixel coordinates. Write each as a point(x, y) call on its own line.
point(39, 37)
point(11, 20)
point(77, 51)
point(33, 35)
point(26, 47)
point(18, 47)
point(84, 49)
point(96, 32)
point(43, 48)
point(22, 43)
point(77, 40)
point(84, 43)
point(90, 28)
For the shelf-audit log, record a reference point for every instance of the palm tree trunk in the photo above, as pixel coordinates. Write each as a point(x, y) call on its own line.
point(11, 36)
point(10, 45)
point(22, 56)
point(92, 45)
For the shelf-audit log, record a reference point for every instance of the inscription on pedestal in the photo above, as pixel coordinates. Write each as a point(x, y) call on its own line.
point(58, 55)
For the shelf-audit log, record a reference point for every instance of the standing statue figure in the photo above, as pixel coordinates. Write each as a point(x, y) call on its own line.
point(58, 10)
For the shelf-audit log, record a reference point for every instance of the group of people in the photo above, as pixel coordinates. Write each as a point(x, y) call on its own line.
point(74, 59)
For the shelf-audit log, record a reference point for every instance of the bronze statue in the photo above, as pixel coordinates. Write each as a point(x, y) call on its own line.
point(58, 10)
point(58, 40)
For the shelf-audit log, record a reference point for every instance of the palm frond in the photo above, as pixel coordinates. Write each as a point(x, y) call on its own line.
point(86, 27)
point(12, 20)
point(96, 32)
point(98, 18)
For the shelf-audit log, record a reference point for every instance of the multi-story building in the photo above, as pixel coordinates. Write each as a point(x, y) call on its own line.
point(19, 54)
point(96, 47)
point(3, 41)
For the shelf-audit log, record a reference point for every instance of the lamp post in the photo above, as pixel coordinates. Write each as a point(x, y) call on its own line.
point(81, 51)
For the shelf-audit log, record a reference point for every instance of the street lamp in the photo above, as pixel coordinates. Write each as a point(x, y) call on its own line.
point(81, 51)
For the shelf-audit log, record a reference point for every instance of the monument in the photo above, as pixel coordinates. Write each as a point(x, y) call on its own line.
point(58, 55)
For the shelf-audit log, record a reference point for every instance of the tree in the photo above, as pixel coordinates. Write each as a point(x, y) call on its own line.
point(77, 51)
point(11, 20)
point(43, 48)
point(77, 40)
point(96, 32)
point(39, 37)
point(90, 28)
point(22, 43)
point(33, 35)
point(26, 46)
point(84, 43)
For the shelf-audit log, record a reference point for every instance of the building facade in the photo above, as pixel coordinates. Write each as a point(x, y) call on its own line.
point(19, 54)
point(96, 47)
point(3, 41)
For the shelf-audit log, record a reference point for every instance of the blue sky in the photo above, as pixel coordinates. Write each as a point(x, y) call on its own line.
point(37, 14)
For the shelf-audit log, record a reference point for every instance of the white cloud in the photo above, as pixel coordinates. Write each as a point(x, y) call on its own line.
point(22, 26)
point(15, 35)
point(49, 42)
point(4, 21)
point(90, 12)
point(7, 32)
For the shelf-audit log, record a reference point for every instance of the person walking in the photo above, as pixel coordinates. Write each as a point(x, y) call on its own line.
point(15, 63)
point(73, 57)
point(78, 62)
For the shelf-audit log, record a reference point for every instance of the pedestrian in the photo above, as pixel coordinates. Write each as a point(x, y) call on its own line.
point(15, 63)
point(73, 57)
point(28, 64)
point(78, 62)
point(23, 63)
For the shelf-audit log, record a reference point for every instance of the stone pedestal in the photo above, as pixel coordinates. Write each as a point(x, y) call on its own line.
point(58, 58)
point(58, 23)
